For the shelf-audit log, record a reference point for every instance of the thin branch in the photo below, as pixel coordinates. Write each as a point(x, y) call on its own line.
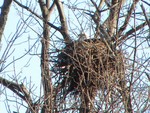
point(95, 5)
point(132, 31)
point(148, 75)
point(148, 22)
point(96, 18)
point(145, 2)
point(35, 14)
point(123, 27)
point(107, 2)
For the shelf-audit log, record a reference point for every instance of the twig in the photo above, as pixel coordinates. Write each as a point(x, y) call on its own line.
point(35, 14)
point(145, 2)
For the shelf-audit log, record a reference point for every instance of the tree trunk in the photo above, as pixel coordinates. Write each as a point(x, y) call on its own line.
point(45, 69)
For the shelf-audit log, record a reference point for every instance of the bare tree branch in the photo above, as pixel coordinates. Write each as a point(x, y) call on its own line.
point(148, 75)
point(96, 17)
point(28, 9)
point(132, 31)
point(113, 17)
point(64, 26)
point(51, 8)
point(3, 16)
point(123, 27)
point(48, 3)
point(18, 89)
point(44, 9)
point(101, 4)
point(148, 22)
point(145, 2)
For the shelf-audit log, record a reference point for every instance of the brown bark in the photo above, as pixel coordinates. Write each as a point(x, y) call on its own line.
point(123, 27)
point(113, 17)
point(45, 69)
point(126, 98)
point(3, 16)
point(64, 27)
point(21, 91)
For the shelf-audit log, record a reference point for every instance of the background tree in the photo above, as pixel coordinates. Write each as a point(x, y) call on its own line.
point(107, 73)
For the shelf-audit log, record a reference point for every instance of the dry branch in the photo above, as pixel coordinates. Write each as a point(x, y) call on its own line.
point(51, 8)
point(35, 14)
point(20, 90)
point(146, 18)
point(64, 26)
point(123, 27)
point(3, 16)
point(131, 31)
point(145, 2)
point(44, 9)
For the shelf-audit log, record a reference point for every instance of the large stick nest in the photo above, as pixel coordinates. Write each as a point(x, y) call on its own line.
point(88, 66)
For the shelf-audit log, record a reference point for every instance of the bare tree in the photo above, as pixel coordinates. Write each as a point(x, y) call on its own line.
point(107, 71)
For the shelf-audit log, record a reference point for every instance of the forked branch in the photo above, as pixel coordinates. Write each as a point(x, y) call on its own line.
point(38, 16)
point(123, 27)
point(18, 89)
point(132, 31)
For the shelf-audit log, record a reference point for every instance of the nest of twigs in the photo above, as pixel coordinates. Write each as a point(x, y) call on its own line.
point(87, 66)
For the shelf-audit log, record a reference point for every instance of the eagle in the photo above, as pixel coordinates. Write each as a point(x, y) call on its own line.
point(83, 36)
